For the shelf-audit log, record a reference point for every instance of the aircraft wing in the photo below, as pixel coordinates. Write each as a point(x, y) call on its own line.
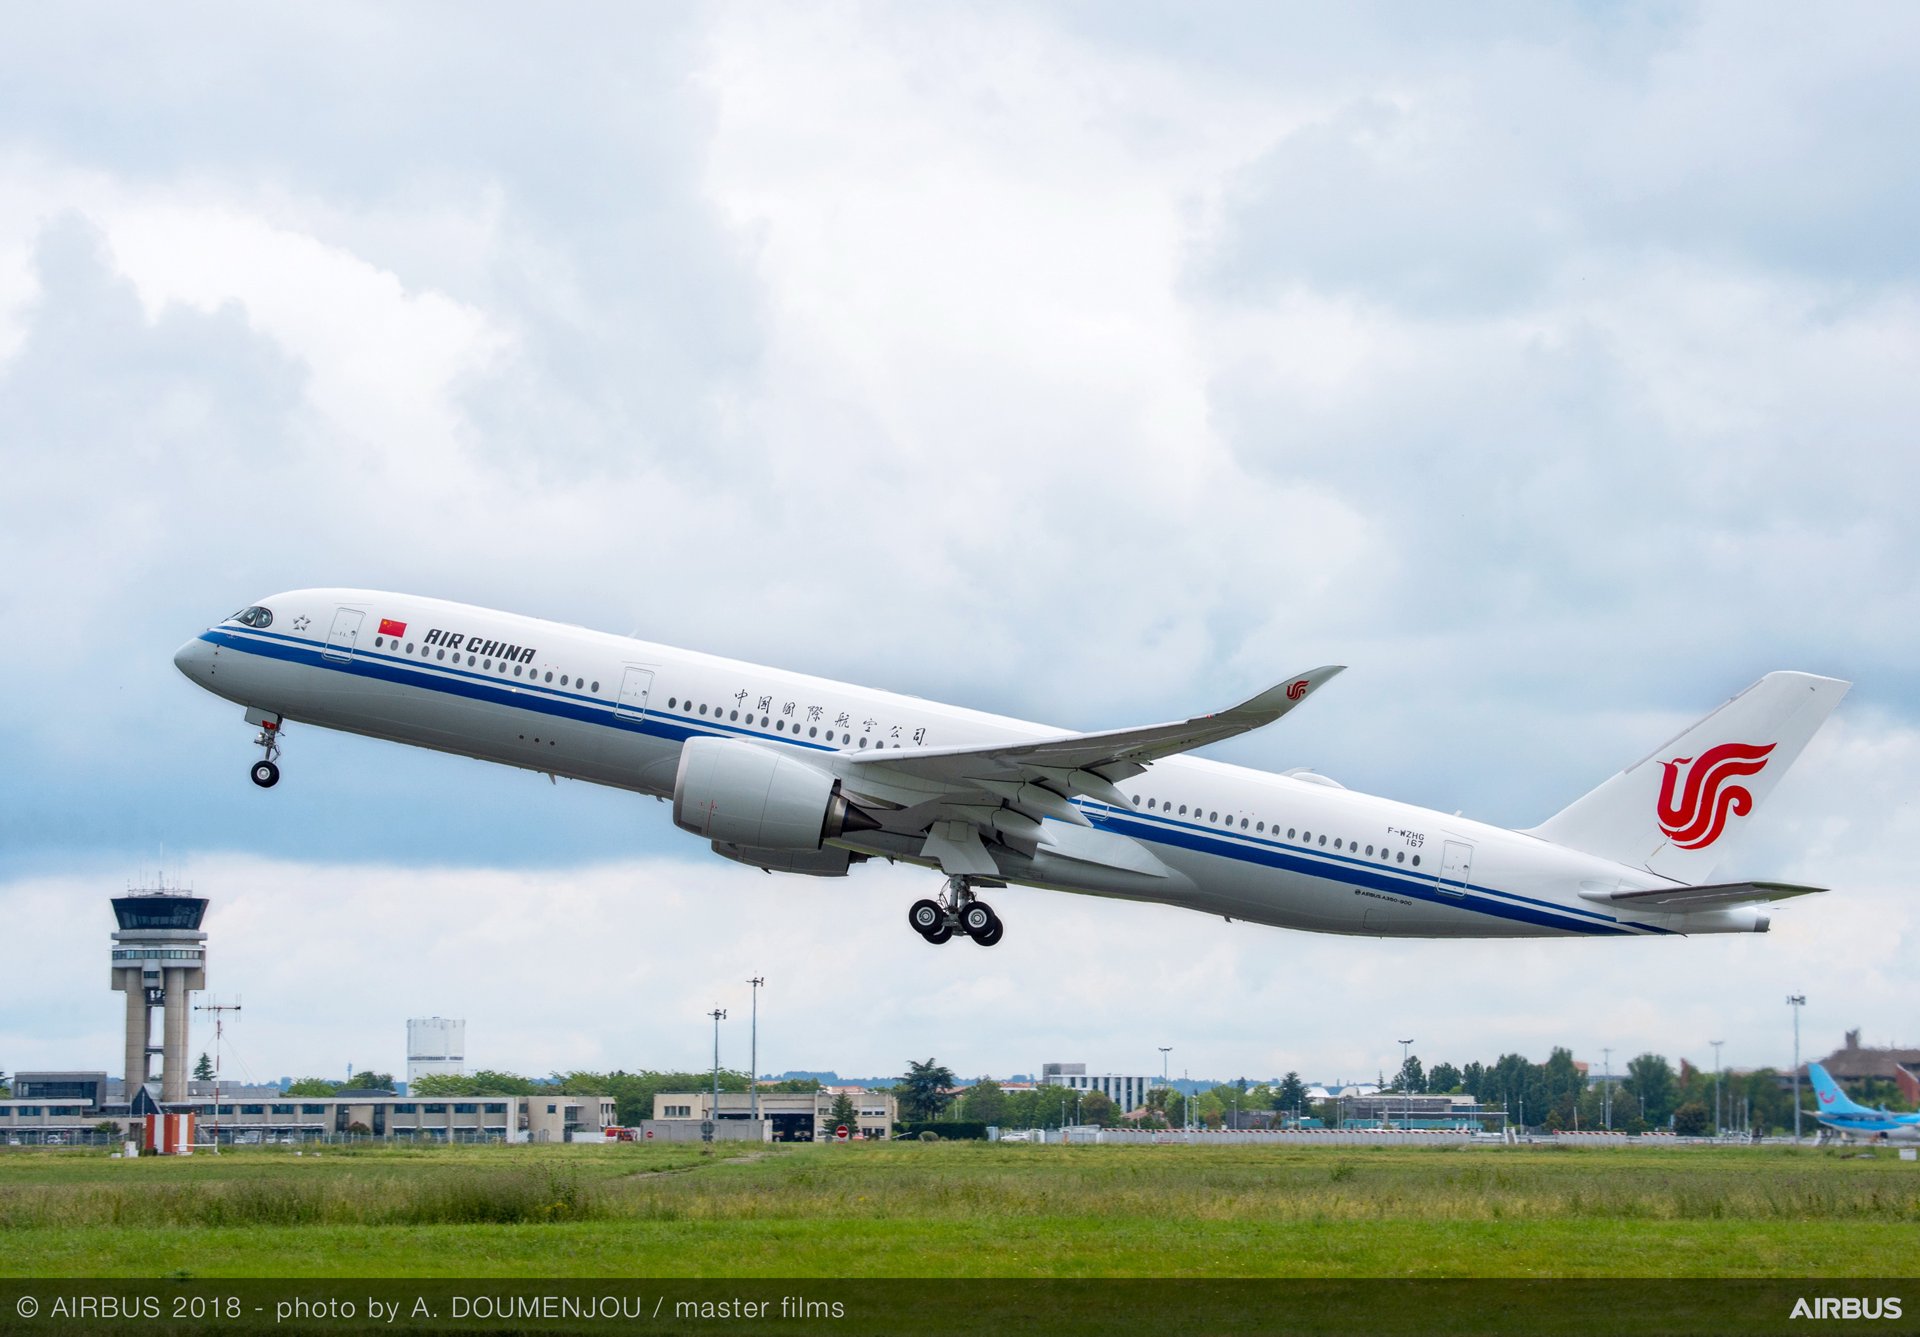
point(962, 796)
point(1709, 896)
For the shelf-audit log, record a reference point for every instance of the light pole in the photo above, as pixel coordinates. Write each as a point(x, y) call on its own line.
point(1796, 1001)
point(1606, 1088)
point(719, 1014)
point(1406, 1100)
point(1164, 1051)
point(753, 1052)
point(1716, 1084)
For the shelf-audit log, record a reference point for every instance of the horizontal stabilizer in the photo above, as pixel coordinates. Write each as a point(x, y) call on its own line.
point(1712, 896)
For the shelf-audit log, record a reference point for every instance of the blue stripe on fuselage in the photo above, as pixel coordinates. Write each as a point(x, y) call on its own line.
point(562, 704)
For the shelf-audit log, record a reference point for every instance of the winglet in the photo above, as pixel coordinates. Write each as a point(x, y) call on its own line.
point(1283, 696)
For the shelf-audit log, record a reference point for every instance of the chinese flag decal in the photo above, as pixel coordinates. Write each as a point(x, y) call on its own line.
point(388, 627)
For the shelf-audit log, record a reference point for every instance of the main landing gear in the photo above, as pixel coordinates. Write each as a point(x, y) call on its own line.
point(266, 771)
point(956, 912)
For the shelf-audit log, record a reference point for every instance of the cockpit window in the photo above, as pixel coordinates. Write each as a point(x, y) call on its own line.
point(255, 616)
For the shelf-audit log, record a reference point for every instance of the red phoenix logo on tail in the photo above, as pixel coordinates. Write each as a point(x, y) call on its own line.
point(1696, 818)
point(1297, 690)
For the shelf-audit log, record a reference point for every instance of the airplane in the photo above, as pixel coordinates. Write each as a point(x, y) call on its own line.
point(1836, 1110)
point(798, 774)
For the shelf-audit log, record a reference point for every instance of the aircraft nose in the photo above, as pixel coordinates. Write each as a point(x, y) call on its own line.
point(191, 658)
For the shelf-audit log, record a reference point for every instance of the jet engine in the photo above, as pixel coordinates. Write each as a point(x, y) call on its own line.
point(737, 793)
point(828, 861)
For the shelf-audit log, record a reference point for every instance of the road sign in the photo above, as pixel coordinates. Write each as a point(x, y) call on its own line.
point(706, 1130)
point(649, 1134)
point(840, 1133)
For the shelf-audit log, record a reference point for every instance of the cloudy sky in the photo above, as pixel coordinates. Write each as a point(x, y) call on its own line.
point(1555, 367)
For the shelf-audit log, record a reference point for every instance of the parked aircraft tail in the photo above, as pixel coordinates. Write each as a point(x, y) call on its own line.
point(1832, 1100)
point(1677, 811)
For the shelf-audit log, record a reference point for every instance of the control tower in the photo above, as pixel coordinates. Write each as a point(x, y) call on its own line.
point(159, 956)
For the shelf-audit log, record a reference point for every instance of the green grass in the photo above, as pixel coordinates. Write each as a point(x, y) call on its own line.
point(911, 1209)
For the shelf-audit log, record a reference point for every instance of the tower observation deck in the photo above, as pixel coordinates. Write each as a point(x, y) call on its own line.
point(159, 957)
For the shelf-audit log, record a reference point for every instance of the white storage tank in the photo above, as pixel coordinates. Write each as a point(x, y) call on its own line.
point(436, 1045)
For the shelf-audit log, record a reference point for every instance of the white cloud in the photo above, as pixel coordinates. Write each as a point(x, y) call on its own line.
point(1554, 372)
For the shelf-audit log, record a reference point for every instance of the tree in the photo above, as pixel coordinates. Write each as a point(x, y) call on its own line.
point(922, 1093)
point(369, 1081)
point(985, 1102)
point(1650, 1079)
point(843, 1112)
point(313, 1086)
point(1291, 1095)
point(1443, 1079)
point(203, 1070)
point(1692, 1119)
point(1411, 1078)
point(1098, 1108)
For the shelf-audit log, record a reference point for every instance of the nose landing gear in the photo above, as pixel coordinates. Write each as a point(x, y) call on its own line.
point(266, 771)
point(957, 911)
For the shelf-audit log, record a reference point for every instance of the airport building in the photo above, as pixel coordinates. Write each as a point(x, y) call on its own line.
point(1125, 1090)
point(1854, 1062)
point(274, 1116)
point(787, 1116)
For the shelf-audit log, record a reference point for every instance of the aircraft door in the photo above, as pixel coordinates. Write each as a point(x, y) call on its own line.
point(634, 689)
point(1456, 866)
point(344, 634)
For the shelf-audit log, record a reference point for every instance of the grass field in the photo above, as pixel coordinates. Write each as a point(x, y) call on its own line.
point(962, 1209)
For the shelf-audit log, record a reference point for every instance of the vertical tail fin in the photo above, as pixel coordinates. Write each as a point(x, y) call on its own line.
point(1678, 811)
point(1832, 1100)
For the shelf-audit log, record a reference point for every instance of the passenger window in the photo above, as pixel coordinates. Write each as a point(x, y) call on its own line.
point(1369, 851)
point(813, 732)
point(1213, 817)
point(1323, 841)
point(733, 714)
point(379, 642)
point(440, 654)
point(780, 725)
point(672, 702)
point(863, 742)
point(1289, 832)
point(409, 647)
point(1400, 856)
point(549, 677)
point(1243, 823)
point(516, 670)
point(1416, 861)
point(594, 688)
point(703, 709)
point(1336, 842)
point(486, 664)
point(563, 680)
point(1183, 810)
point(470, 661)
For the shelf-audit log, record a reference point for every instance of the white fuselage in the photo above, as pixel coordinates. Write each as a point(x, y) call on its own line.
point(1227, 840)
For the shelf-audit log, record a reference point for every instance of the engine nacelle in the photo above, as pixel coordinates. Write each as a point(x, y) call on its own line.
point(737, 793)
point(827, 861)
